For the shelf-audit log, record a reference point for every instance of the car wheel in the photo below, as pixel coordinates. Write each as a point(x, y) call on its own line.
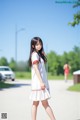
point(13, 79)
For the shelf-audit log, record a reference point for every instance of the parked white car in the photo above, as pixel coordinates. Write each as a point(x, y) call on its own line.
point(6, 73)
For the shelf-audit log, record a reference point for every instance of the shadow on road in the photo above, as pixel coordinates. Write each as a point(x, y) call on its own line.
point(13, 85)
point(21, 84)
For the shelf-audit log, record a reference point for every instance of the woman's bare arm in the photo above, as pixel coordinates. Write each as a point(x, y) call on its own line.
point(39, 76)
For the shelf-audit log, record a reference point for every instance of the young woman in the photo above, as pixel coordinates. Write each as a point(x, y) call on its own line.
point(66, 71)
point(40, 87)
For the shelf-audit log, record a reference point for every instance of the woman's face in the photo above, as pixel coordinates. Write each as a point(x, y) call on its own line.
point(38, 46)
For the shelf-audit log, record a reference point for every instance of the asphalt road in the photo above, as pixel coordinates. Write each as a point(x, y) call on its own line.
point(15, 101)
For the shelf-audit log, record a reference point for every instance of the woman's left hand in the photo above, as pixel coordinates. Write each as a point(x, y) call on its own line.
point(43, 86)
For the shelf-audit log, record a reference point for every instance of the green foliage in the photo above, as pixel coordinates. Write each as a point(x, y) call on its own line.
point(74, 59)
point(54, 65)
point(56, 62)
point(76, 18)
point(23, 66)
point(12, 64)
point(3, 62)
point(5, 85)
point(77, 4)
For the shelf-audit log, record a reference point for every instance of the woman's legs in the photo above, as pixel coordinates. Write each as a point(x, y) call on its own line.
point(34, 109)
point(66, 77)
point(48, 109)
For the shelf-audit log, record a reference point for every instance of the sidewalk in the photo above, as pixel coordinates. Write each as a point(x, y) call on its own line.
point(15, 102)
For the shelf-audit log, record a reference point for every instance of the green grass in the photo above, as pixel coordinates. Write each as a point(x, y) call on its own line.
point(75, 87)
point(27, 75)
point(5, 85)
point(58, 77)
point(23, 75)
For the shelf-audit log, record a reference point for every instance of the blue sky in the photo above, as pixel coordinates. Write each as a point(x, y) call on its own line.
point(44, 18)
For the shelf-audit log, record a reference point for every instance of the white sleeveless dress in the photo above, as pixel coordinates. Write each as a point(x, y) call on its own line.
point(36, 93)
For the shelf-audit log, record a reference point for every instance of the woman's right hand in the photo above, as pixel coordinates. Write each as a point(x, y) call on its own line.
point(42, 86)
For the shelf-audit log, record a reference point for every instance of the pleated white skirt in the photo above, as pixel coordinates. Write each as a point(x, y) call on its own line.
point(39, 95)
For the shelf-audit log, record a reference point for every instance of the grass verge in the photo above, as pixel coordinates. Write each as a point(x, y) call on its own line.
point(27, 75)
point(23, 75)
point(5, 85)
point(75, 88)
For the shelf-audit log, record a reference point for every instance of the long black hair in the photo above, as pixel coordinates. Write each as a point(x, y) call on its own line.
point(40, 52)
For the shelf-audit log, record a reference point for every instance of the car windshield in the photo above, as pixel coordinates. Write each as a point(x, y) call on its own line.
point(4, 69)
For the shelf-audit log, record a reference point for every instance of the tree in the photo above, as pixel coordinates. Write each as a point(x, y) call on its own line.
point(65, 58)
point(51, 62)
point(54, 63)
point(23, 66)
point(77, 4)
point(12, 64)
point(76, 20)
point(3, 61)
point(76, 49)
